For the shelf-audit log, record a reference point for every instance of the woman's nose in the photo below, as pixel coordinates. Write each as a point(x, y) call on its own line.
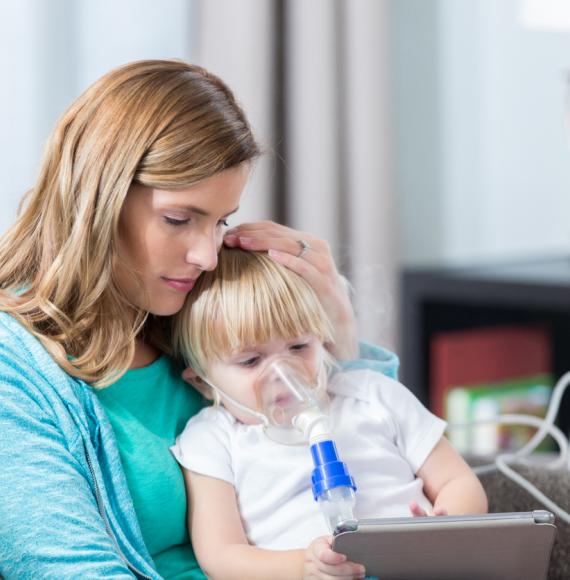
point(203, 252)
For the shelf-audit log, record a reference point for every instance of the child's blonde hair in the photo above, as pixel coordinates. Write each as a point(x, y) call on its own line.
point(247, 300)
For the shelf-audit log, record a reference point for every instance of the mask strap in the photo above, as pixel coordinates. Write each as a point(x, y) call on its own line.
point(237, 404)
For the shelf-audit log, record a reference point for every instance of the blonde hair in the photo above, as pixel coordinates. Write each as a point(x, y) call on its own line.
point(158, 123)
point(247, 300)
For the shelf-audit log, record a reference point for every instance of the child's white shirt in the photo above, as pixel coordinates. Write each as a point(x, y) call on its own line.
point(382, 432)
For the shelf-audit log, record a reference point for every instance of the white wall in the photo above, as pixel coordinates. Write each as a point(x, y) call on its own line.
point(483, 165)
point(235, 41)
point(19, 136)
point(51, 51)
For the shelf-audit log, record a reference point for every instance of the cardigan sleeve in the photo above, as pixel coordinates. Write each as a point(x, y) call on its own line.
point(51, 526)
point(374, 358)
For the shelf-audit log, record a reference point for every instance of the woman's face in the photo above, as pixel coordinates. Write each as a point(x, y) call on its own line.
point(169, 237)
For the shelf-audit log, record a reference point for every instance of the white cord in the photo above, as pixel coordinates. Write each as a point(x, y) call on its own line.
point(557, 463)
point(545, 427)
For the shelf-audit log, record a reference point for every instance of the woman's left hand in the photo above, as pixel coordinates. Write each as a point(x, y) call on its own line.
point(313, 262)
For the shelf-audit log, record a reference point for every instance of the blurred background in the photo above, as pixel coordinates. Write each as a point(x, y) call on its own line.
point(405, 132)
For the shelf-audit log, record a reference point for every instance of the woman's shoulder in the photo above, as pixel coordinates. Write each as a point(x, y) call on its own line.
point(17, 341)
point(27, 370)
point(19, 348)
point(12, 331)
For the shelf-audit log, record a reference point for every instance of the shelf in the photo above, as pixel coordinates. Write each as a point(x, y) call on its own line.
point(448, 298)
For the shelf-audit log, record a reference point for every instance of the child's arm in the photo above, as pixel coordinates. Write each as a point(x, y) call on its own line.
point(223, 551)
point(450, 484)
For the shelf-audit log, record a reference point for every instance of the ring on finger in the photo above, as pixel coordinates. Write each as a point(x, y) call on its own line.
point(304, 247)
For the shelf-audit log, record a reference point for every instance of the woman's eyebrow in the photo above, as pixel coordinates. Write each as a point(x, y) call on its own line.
point(203, 212)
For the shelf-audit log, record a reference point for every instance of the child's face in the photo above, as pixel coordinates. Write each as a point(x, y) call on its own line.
point(236, 373)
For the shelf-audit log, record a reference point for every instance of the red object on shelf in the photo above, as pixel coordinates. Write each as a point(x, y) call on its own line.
point(489, 354)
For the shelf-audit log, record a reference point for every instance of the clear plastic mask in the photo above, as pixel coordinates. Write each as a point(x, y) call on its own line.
point(286, 389)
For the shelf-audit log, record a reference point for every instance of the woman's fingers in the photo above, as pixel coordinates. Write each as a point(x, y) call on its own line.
point(242, 229)
point(311, 250)
point(282, 239)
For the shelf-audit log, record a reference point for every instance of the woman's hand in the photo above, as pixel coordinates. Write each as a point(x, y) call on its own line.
point(419, 512)
point(315, 264)
point(322, 563)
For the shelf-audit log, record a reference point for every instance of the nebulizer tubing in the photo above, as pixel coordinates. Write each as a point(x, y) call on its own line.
point(260, 416)
point(545, 427)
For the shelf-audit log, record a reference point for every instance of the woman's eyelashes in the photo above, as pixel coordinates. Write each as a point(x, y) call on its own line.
point(176, 222)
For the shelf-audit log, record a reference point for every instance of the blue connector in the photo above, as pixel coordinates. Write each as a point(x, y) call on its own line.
point(329, 471)
point(333, 486)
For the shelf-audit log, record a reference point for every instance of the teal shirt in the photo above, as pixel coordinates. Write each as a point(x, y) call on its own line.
point(147, 408)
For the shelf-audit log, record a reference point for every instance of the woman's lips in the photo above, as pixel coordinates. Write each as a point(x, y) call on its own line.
point(180, 284)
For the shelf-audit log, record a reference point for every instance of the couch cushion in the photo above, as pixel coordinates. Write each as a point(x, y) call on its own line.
point(507, 496)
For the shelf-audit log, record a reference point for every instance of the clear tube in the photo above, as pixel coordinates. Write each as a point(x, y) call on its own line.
point(337, 506)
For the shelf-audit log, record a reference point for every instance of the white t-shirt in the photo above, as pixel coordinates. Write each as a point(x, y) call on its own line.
point(382, 432)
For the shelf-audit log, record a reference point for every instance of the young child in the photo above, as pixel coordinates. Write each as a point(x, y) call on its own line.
point(252, 509)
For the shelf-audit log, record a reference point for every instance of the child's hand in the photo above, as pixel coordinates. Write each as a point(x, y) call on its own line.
point(321, 562)
point(419, 512)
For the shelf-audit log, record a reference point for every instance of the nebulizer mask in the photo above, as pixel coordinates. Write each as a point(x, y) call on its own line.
point(292, 405)
point(291, 401)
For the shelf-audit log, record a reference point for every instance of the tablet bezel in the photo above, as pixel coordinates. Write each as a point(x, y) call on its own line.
point(442, 547)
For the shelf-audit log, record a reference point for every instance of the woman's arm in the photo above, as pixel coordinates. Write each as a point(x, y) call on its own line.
point(223, 551)
point(50, 525)
point(450, 484)
point(317, 266)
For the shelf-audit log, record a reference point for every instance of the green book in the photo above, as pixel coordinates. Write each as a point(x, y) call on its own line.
point(527, 395)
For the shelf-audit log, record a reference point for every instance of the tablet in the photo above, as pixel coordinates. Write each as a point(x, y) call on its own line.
point(505, 546)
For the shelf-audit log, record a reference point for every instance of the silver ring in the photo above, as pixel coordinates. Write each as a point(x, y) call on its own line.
point(305, 247)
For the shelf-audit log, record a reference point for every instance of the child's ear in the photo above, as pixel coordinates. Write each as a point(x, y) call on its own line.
point(192, 377)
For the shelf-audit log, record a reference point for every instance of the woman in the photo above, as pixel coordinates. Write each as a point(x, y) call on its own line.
point(135, 189)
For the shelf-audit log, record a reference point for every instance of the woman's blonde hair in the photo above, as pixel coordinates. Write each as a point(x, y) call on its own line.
point(158, 123)
point(247, 300)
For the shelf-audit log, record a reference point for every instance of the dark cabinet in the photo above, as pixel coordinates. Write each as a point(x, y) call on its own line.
point(449, 298)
